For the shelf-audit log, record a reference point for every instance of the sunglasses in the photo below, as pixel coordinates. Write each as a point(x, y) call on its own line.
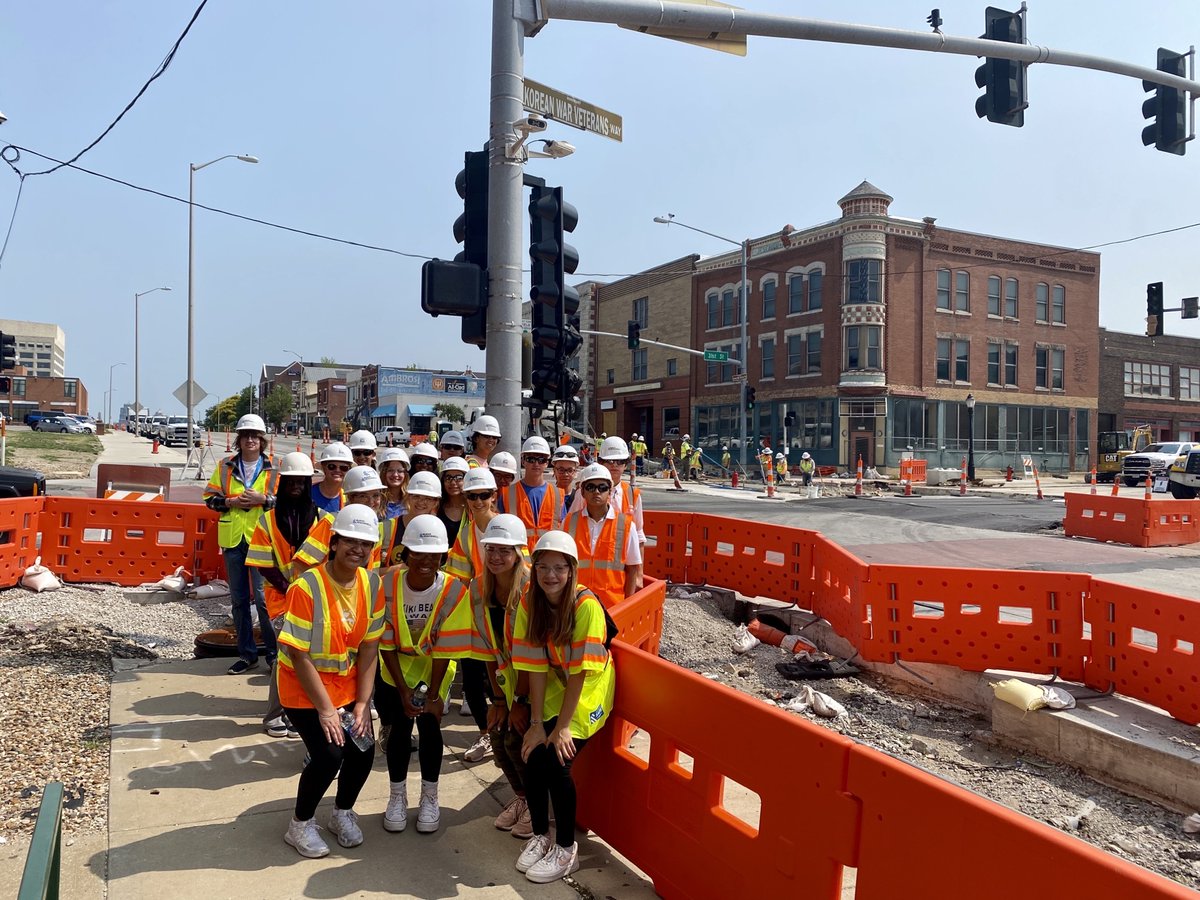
point(481, 497)
point(422, 463)
point(457, 476)
point(599, 488)
point(537, 460)
point(616, 462)
point(335, 467)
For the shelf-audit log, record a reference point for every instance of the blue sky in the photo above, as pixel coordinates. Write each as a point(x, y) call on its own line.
point(360, 112)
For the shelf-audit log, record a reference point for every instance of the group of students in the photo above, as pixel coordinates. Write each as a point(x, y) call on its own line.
point(399, 566)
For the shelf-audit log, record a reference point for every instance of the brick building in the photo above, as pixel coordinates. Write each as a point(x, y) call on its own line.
point(1151, 381)
point(647, 390)
point(26, 393)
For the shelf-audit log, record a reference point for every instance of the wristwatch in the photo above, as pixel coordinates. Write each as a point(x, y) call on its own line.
point(521, 698)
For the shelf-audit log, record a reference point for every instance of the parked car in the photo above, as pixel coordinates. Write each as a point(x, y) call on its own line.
point(175, 432)
point(18, 482)
point(396, 435)
point(61, 424)
point(86, 422)
point(153, 424)
point(35, 416)
point(1153, 461)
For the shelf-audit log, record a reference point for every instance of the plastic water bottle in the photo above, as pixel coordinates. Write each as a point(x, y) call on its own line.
point(420, 695)
point(362, 742)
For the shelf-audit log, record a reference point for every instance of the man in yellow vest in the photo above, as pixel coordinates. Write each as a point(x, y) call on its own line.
point(807, 467)
point(610, 554)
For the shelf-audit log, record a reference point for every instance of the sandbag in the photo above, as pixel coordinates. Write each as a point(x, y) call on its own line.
point(38, 578)
point(1017, 693)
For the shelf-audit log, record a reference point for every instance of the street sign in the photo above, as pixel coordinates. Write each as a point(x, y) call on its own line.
point(739, 377)
point(198, 393)
point(716, 356)
point(571, 110)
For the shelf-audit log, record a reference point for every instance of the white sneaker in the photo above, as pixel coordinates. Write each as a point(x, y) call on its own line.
point(374, 712)
point(429, 814)
point(535, 848)
point(481, 749)
point(344, 824)
point(396, 816)
point(558, 863)
point(277, 727)
point(303, 836)
point(464, 709)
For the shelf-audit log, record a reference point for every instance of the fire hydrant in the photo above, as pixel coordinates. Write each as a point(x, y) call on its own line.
point(1008, 474)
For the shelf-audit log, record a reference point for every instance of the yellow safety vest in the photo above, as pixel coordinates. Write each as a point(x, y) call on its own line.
point(237, 525)
point(446, 635)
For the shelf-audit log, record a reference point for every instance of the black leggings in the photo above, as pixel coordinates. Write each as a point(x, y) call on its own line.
point(399, 745)
point(387, 699)
point(506, 751)
point(325, 760)
point(476, 690)
point(549, 781)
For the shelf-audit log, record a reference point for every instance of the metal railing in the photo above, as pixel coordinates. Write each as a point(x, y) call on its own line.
point(40, 879)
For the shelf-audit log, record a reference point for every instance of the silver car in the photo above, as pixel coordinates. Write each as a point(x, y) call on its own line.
point(62, 424)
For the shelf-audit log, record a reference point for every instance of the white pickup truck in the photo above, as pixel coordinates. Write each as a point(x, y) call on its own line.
point(393, 436)
point(174, 431)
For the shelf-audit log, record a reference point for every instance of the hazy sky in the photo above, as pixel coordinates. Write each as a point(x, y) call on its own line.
point(360, 113)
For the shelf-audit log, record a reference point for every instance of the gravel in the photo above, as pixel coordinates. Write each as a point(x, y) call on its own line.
point(950, 742)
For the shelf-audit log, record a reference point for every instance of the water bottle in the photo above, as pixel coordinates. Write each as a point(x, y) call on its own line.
point(362, 742)
point(420, 695)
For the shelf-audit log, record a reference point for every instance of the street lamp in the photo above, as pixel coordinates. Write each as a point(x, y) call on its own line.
point(250, 396)
point(970, 437)
point(136, 399)
point(191, 343)
point(108, 410)
point(669, 219)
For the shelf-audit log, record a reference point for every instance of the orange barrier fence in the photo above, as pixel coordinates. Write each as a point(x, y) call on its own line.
point(639, 618)
point(19, 523)
point(1132, 520)
point(771, 562)
point(684, 815)
point(912, 470)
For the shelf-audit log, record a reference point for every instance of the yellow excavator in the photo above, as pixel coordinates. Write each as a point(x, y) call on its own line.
point(1113, 446)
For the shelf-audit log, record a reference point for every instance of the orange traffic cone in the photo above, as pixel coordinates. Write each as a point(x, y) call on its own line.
point(908, 487)
point(962, 480)
point(271, 448)
point(858, 479)
point(1038, 481)
point(312, 453)
point(1149, 487)
point(1093, 479)
point(1116, 484)
point(228, 445)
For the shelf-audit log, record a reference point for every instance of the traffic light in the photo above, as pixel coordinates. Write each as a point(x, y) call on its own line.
point(1167, 108)
point(556, 336)
point(1189, 308)
point(8, 351)
point(1154, 309)
point(1003, 80)
point(635, 334)
point(750, 398)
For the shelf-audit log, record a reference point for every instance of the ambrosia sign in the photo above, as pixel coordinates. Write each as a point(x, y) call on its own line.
point(571, 111)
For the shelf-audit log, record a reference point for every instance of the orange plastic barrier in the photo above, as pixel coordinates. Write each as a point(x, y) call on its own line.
point(666, 550)
point(639, 618)
point(19, 520)
point(842, 595)
point(1144, 645)
point(759, 560)
point(126, 543)
point(912, 470)
point(1132, 520)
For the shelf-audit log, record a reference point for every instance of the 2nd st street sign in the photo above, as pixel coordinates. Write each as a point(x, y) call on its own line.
point(716, 356)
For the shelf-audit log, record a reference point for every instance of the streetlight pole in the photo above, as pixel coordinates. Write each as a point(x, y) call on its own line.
point(970, 437)
point(743, 291)
point(191, 342)
point(136, 399)
point(108, 409)
point(250, 396)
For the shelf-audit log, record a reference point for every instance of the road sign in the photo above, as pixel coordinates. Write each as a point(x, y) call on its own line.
point(571, 110)
point(739, 377)
point(716, 356)
point(198, 393)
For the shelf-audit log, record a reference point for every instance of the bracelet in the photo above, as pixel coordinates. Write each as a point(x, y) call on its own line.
point(535, 721)
point(332, 715)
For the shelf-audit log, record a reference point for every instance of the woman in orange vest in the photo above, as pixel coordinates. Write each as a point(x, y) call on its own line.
point(279, 533)
point(609, 552)
point(329, 648)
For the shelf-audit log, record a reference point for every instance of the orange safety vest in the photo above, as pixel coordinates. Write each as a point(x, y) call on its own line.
point(516, 502)
point(602, 567)
point(465, 559)
point(269, 550)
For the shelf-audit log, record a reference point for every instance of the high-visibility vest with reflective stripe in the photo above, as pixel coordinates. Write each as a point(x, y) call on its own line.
point(315, 548)
point(601, 568)
point(465, 559)
point(516, 502)
point(446, 635)
point(237, 525)
point(270, 550)
point(486, 644)
point(313, 625)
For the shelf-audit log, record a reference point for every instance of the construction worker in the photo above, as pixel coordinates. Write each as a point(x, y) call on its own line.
point(560, 640)
point(685, 449)
point(697, 464)
point(427, 626)
point(393, 472)
point(423, 458)
point(335, 462)
point(485, 437)
point(610, 554)
point(241, 488)
point(781, 468)
point(598, 441)
point(614, 457)
point(807, 467)
point(279, 533)
point(504, 469)
point(565, 463)
point(726, 459)
point(638, 448)
point(452, 444)
point(432, 437)
point(362, 448)
point(532, 499)
point(326, 672)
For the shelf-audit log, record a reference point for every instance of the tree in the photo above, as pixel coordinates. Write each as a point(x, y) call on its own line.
point(223, 414)
point(451, 411)
point(244, 401)
point(277, 408)
point(328, 361)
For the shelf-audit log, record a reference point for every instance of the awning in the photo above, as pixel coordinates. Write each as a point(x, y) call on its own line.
point(415, 409)
point(380, 411)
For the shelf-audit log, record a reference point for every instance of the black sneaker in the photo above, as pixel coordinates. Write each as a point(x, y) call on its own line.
point(241, 667)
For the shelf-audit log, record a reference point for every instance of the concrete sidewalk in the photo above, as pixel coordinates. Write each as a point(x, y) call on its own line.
point(200, 798)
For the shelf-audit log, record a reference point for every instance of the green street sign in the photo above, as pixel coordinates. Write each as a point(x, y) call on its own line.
point(716, 356)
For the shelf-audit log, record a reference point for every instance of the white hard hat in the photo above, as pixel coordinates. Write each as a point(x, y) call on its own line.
point(296, 464)
point(487, 426)
point(426, 534)
point(361, 478)
point(724, 446)
point(424, 484)
point(507, 530)
point(251, 422)
point(566, 451)
point(503, 462)
point(424, 449)
point(558, 541)
point(536, 445)
point(594, 472)
point(363, 440)
point(455, 464)
point(357, 521)
point(805, 455)
point(687, 437)
point(604, 434)
point(614, 448)
point(478, 480)
point(453, 439)
point(390, 454)
point(336, 452)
